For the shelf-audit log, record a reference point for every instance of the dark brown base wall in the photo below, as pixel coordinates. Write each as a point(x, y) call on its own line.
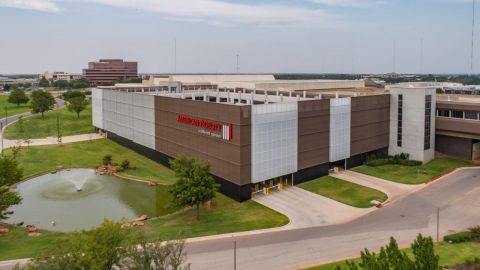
point(311, 173)
point(359, 159)
point(454, 146)
point(238, 193)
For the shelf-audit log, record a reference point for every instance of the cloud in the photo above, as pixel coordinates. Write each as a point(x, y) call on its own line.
point(40, 5)
point(350, 3)
point(216, 12)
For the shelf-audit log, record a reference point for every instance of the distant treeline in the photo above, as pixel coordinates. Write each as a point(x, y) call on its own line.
point(317, 76)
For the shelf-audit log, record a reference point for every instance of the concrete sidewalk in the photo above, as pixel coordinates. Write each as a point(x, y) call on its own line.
point(52, 140)
point(393, 190)
point(306, 209)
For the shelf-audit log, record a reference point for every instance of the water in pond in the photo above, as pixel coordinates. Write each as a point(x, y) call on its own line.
point(81, 199)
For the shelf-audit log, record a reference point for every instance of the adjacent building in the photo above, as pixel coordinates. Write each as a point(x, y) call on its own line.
point(107, 71)
point(257, 132)
point(60, 76)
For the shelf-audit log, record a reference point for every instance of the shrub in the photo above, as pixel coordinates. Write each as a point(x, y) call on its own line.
point(377, 162)
point(107, 160)
point(409, 162)
point(475, 230)
point(461, 237)
point(125, 164)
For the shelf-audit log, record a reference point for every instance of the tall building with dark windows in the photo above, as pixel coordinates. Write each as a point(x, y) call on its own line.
point(106, 71)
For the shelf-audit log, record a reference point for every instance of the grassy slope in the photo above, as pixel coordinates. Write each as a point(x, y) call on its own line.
point(450, 254)
point(225, 216)
point(36, 127)
point(343, 191)
point(89, 154)
point(413, 174)
point(11, 108)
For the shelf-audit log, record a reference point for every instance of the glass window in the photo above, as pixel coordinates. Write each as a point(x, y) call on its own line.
point(443, 113)
point(457, 114)
point(428, 122)
point(400, 120)
point(471, 115)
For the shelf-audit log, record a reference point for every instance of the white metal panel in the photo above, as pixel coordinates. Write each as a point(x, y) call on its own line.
point(340, 118)
point(274, 140)
point(97, 108)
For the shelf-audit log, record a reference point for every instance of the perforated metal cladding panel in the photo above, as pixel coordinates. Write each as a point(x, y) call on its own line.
point(97, 108)
point(274, 140)
point(340, 113)
point(130, 115)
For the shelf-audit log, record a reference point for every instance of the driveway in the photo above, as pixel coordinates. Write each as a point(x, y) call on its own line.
point(457, 196)
point(393, 190)
point(306, 209)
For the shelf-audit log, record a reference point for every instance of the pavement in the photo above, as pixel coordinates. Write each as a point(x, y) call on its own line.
point(43, 141)
point(456, 195)
point(306, 209)
point(393, 190)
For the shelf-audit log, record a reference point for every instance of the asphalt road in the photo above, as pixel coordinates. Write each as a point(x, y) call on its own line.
point(457, 196)
point(60, 104)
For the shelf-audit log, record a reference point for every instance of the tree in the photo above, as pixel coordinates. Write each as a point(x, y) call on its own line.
point(194, 184)
point(44, 82)
point(392, 258)
point(107, 160)
point(10, 173)
point(62, 84)
point(77, 105)
point(82, 83)
point(71, 94)
point(109, 247)
point(6, 87)
point(42, 101)
point(18, 96)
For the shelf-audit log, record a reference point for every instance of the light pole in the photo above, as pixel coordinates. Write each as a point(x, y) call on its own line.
point(438, 224)
point(234, 254)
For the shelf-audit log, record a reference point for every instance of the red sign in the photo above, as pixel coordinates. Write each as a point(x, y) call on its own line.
point(199, 123)
point(226, 129)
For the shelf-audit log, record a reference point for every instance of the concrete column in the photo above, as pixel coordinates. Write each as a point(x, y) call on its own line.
point(320, 96)
point(205, 97)
point(290, 93)
point(298, 97)
point(304, 94)
point(337, 95)
point(281, 98)
point(276, 92)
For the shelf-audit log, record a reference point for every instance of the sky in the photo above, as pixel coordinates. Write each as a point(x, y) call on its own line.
point(269, 36)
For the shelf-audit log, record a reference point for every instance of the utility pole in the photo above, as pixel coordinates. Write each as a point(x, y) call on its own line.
point(473, 37)
point(1, 131)
point(234, 254)
point(59, 140)
point(175, 56)
point(238, 67)
point(438, 224)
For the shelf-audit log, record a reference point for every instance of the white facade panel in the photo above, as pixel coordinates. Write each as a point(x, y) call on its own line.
point(130, 115)
point(97, 108)
point(274, 140)
point(340, 118)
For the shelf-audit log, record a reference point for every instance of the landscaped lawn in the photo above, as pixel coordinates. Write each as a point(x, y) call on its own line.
point(413, 174)
point(450, 254)
point(343, 191)
point(224, 216)
point(36, 127)
point(89, 154)
point(12, 109)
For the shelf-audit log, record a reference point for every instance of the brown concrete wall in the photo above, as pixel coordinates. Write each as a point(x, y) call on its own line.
point(313, 132)
point(370, 123)
point(231, 160)
point(457, 125)
point(454, 146)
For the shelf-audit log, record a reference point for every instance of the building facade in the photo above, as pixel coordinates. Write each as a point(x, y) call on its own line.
point(107, 71)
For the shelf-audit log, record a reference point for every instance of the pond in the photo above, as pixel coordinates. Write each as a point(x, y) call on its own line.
point(79, 199)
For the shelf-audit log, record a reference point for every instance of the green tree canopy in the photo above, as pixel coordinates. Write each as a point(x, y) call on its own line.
point(18, 96)
point(10, 173)
point(43, 82)
point(76, 84)
point(111, 247)
point(77, 105)
point(71, 94)
point(194, 184)
point(392, 258)
point(61, 84)
point(42, 101)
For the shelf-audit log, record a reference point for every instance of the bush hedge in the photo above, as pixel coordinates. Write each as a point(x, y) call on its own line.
point(401, 159)
point(460, 237)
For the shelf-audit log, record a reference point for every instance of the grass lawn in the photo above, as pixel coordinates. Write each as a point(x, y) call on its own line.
point(12, 109)
point(413, 174)
point(225, 216)
point(343, 191)
point(450, 254)
point(36, 127)
point(89, 154)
